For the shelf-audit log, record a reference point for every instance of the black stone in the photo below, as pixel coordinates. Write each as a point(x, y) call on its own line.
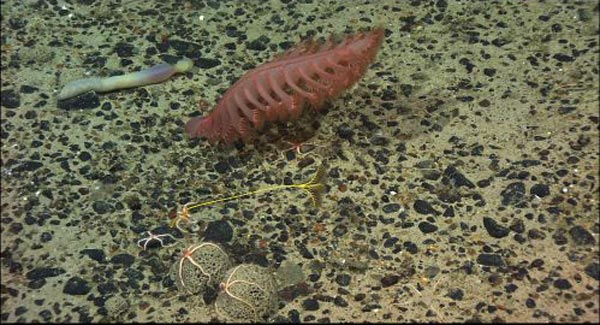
point(123, 258)
point(490, 260)
point(540, 190)
point(494, 229)
point(28, 166)
point(340, 301)
point(76, 286)
point(95, 254)
point(489, 72)
point(101, 207)
point(456, 294)
point(389, 280)
point(513, 193)
point(208, 63)
point(593, 270)
point(511, 287)
point(455, 178)
point(518, 226)
point(109, 287)
point(411, 247)
point(259, 44)
point(427, 227)
point(562, 284)
point(343, 279)
point(581, 236)
point(9, 98)
point(344, 131)
point(85, 156)
point(218, 231)
point(124, 50)
point(310, 304)
point(423, 207)
point(563, 57)
point(87, 100)
point(28, 89)
point(392, 207)
point(43, 272)
point(222, 167)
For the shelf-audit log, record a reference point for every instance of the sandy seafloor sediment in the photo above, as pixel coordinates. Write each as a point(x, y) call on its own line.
point(462, 170)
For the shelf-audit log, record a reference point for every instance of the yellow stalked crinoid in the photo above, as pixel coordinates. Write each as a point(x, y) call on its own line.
point(314, 187)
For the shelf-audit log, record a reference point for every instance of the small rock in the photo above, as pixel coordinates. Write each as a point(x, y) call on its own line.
point(593, 270)
point(490, 260)
point(494, 229)
point(259, 44)
point(540, 190)
point(389, 280)
point(562, 284)
point(124, 258)
point(423, 207)
point(340, 301)
point(9, 98)
point(513, 193)
point(95, 254)
point(310, 304)
point(427, 227)
point(581, 236)
point(343, 279)
point(101, 207)
point(456, 178)
point(456, 294)
point(392, 207)
point(218, 231)
point(43, 272)
point(205, 63)
point(76, 286)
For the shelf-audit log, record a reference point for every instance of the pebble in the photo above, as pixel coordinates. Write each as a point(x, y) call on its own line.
point(205, 63)
point(562, 284)
point(222, 167)
point(343, 279)
point(490, 260)
point(456, 178)
point(392, 207)
point(310, 304)
point(494, 229)
point(95, 254)
point(513, 193)
point(389, 280)
point(427, 227)
point(340, 301)
point(76, 286)
point(540, 190)
point(259, 44)
point(593, 270)
point(124, 258)
point(218, 231)
point(581, 236)
point(423, 207)
point(344, 131)
point(101, 207)
point(9, 98)
point(43, 272)
point(456, 294)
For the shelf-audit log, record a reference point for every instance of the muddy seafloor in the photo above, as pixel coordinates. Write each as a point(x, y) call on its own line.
point(461, 171)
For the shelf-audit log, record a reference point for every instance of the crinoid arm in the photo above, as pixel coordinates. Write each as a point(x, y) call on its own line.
point(315, 186)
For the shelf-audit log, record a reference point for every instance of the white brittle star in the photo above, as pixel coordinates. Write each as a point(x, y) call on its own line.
point(158, 238)
point(187, 255)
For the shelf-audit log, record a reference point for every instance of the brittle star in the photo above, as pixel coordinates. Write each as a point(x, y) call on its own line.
point(225, 288)
point(187, 255)
point(182, 215)
point(158, 238)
